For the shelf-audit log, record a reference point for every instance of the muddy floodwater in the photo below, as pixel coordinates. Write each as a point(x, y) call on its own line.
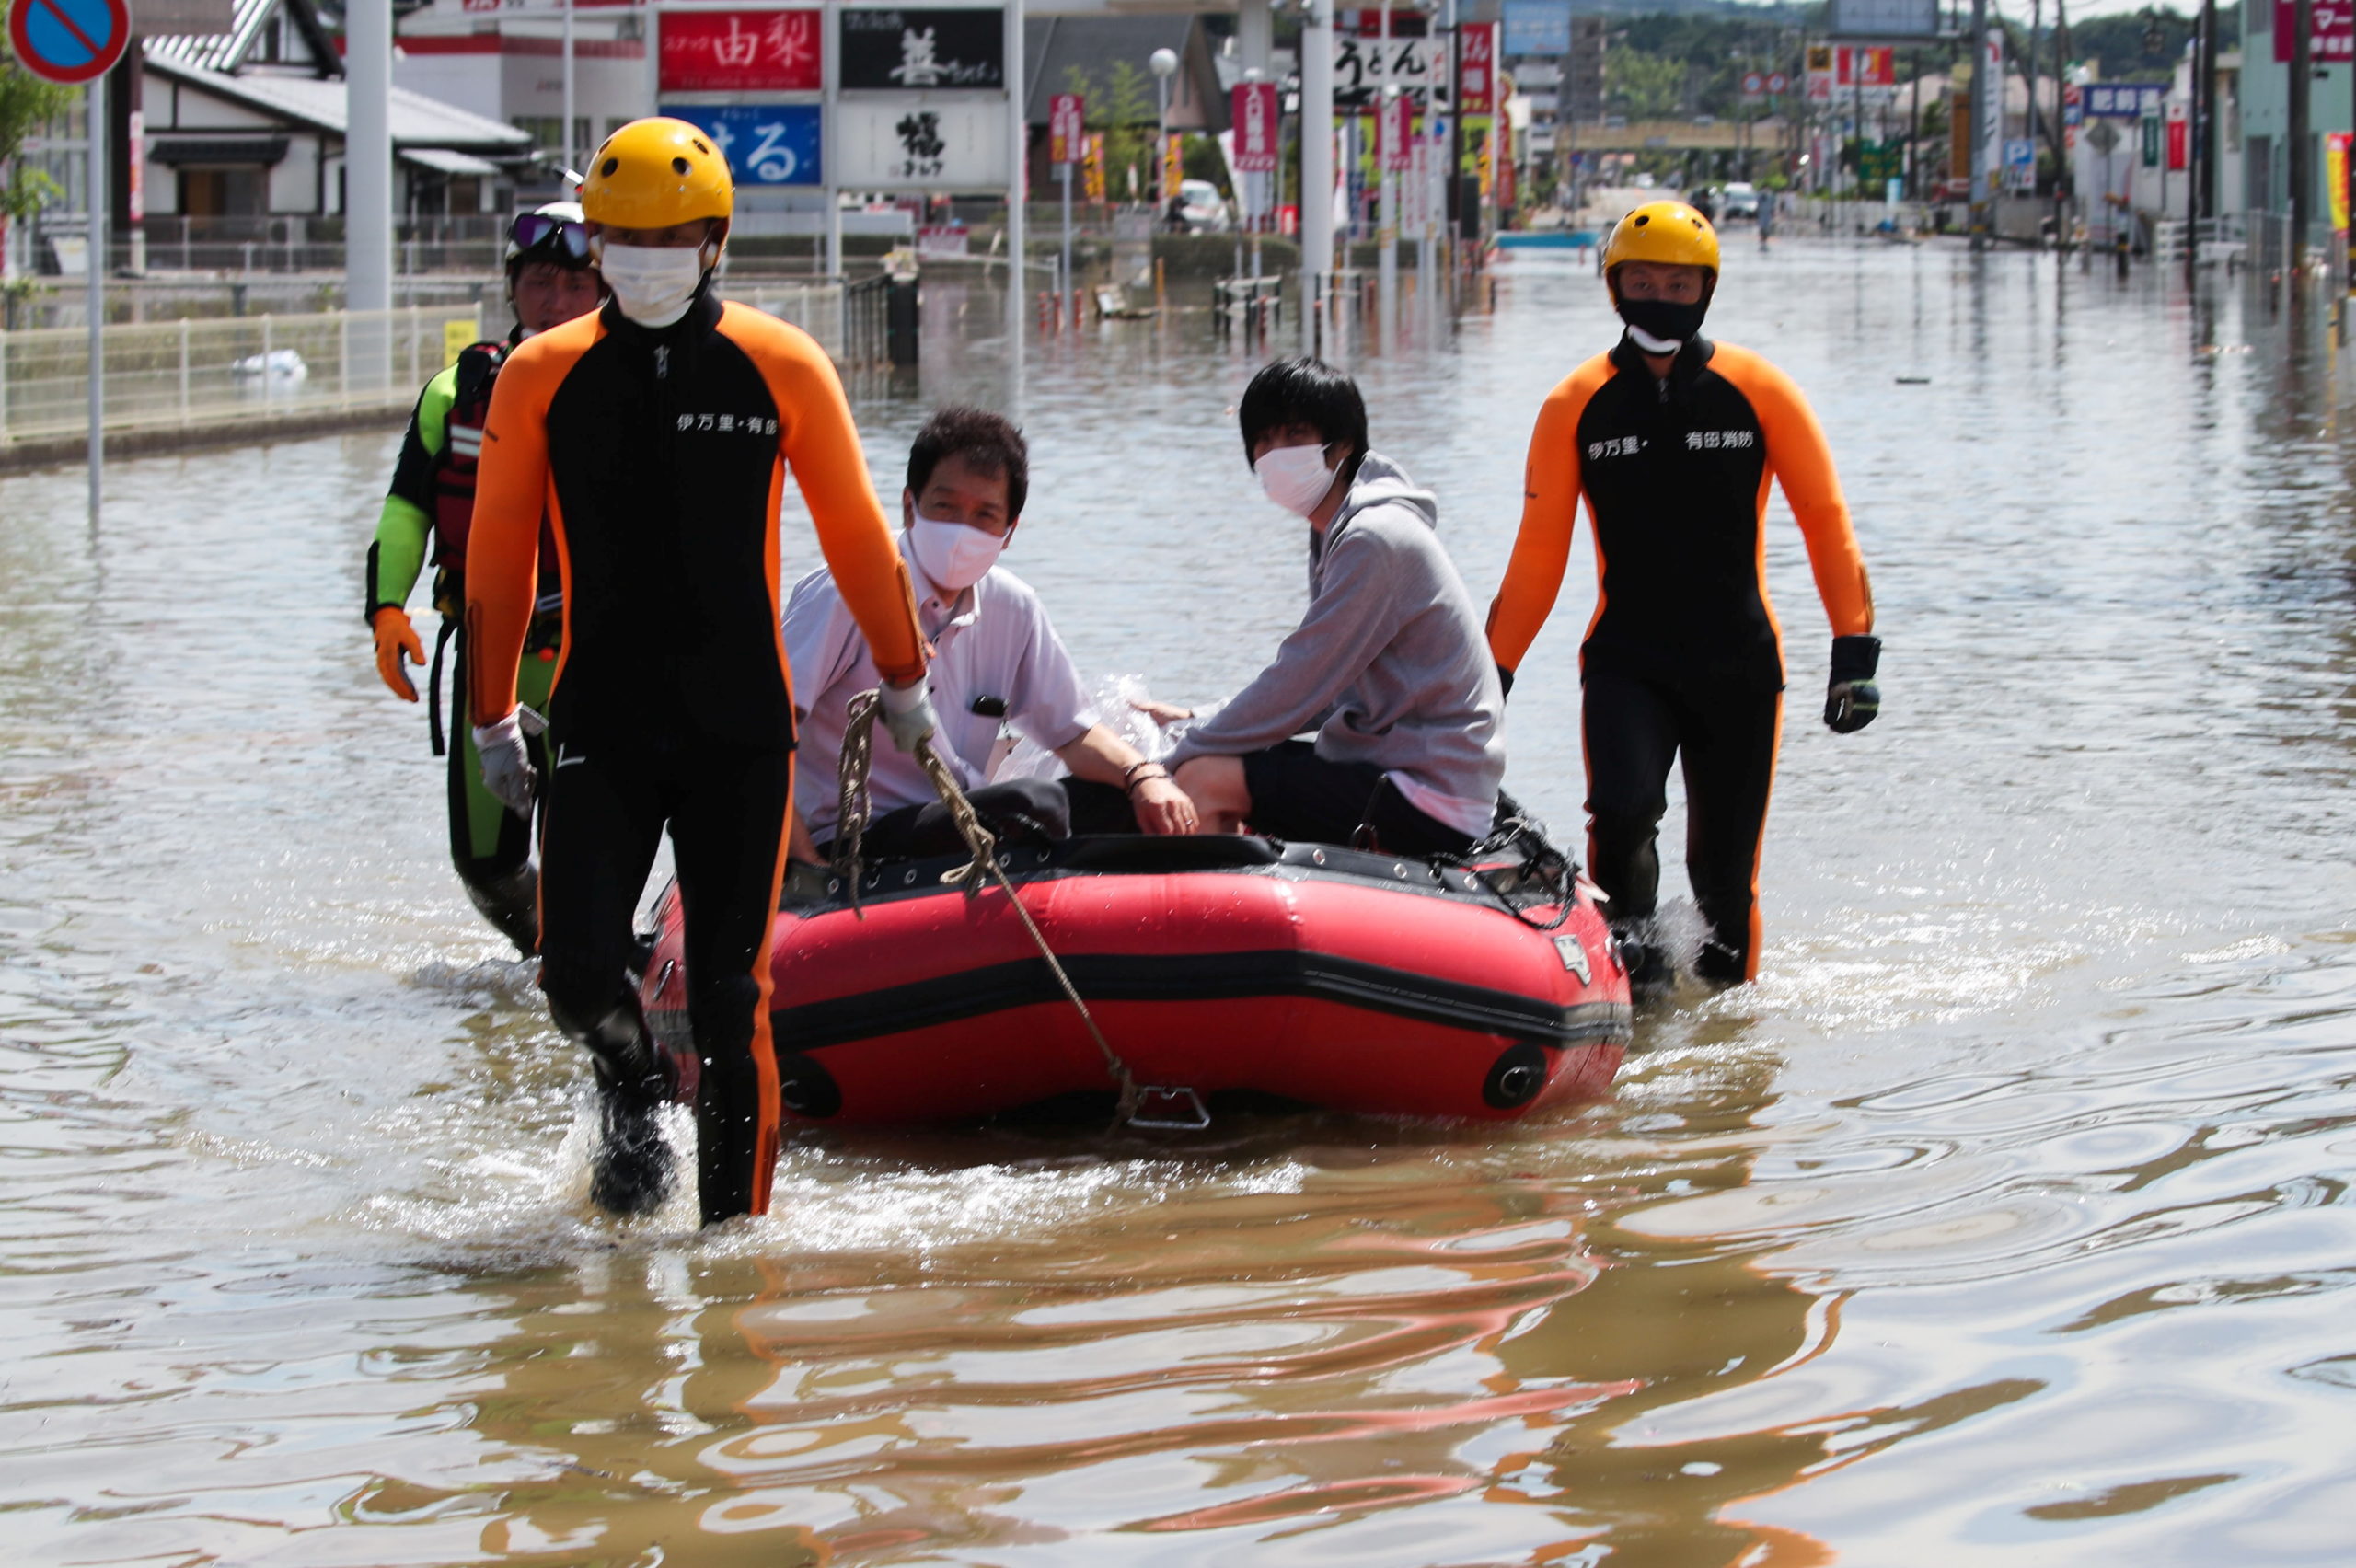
point(2006, 1221)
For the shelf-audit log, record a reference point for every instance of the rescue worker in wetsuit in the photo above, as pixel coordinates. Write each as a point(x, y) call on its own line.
point(549, 281)
point(1672, 440)
point(655, 436)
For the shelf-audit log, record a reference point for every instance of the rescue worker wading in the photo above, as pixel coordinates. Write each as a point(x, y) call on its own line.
point(656, 435)
point(1673, 439)
point(549, 281)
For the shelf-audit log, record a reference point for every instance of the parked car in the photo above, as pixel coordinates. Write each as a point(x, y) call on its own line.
point(1739, 199)
point(1201, 208)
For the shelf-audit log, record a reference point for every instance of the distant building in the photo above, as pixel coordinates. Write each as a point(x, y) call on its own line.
point(249, 124)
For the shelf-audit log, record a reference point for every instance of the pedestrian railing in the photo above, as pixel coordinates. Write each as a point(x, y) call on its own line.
point(200, 374)
point(194, 373)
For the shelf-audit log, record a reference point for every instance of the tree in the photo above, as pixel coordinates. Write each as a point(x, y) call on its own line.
point(26, 103)
point(1125, 112)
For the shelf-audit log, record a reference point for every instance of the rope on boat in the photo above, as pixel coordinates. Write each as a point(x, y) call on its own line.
point(859, 750)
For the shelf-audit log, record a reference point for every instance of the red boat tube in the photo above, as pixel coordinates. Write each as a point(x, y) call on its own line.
point(1327, 976)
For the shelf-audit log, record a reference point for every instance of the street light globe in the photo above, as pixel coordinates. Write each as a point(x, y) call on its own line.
point(1164, 61)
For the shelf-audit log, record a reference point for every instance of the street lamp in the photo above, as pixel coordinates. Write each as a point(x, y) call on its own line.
point(1165, 65)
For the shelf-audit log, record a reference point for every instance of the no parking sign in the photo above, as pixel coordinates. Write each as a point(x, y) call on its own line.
point(68, 40)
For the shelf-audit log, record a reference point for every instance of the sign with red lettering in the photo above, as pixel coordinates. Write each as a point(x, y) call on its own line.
point(2331, 29)
point(1397, 147)
point(726, 52)
point(1067, 112)
point(1255, 127)
point(1476, 68)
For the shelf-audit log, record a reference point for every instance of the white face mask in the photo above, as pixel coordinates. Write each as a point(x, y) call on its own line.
point(654, 283)
point(1295, 478)
point(952, 554)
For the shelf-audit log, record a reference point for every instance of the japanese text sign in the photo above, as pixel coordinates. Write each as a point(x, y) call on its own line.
point(901, 50)
point(1067, 113)
point(2123, 100)
point(764, 144)
point(1393, 121)
point(1255, 127)
point(953, 146)
point(1362, 65)
point(725, 52)
point(1476, 68)
point(2331, 29)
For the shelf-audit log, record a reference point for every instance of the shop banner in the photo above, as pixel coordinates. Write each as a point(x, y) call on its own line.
point(1067, 114)
point(2335, 175)
point(2331, 29)
point(1476, 68)
point(1255, 127)
point(900, 50)
point(737, 51)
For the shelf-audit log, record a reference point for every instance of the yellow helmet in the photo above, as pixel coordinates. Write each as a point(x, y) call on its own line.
point(654, 173)
point(1667, 231)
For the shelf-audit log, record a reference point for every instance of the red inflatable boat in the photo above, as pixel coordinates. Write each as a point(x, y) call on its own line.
point(1217, 967)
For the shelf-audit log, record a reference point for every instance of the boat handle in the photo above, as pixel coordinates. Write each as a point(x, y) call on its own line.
point(1191, 1115)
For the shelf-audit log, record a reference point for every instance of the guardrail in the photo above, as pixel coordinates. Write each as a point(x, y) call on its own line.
point(210, 376)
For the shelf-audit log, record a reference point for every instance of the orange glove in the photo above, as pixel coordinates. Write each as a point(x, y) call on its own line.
point(394, 639)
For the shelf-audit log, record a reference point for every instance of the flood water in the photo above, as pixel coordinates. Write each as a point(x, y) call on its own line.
point(2006, 1220)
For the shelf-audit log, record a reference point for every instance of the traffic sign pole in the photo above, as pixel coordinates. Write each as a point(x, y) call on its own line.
point(76, 42)
point(97, 246)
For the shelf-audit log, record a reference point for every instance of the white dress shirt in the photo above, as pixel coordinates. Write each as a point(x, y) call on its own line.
point(998, 662)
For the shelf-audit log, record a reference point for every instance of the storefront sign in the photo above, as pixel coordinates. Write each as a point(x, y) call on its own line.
point(902, 50)
point(919, 144)
point(2331, 29)
point(772, 143)
point(733, 52)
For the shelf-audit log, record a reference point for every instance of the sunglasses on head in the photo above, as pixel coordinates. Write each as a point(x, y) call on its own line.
point(556, 237)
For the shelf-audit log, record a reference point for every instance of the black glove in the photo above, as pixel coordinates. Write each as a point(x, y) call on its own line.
point(1505, 679)
point(1852, 700)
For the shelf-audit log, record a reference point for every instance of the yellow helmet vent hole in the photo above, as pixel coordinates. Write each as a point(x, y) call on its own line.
point(611, 165)
point(679, 165)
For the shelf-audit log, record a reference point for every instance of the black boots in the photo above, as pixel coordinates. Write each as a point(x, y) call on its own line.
point(511, 903)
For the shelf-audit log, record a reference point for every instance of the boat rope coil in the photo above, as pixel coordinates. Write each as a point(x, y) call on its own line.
point(859, 750)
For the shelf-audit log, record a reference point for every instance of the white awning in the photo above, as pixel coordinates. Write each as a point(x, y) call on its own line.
point(442, 161)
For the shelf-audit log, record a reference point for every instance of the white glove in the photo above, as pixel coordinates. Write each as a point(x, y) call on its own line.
point(506, 761)
point(908, 713)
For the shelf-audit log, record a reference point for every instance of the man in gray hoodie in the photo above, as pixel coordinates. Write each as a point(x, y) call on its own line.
point(1389, 667)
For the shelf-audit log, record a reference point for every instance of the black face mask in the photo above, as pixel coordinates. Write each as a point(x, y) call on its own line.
point(1664, 321)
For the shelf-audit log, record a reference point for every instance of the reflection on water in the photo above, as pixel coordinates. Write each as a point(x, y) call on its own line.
point(2009, 1213)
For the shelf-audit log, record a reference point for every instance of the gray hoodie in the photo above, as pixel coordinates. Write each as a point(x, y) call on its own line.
point(1389, 665)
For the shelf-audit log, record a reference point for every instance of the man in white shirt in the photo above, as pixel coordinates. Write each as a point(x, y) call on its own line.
point(997, 663)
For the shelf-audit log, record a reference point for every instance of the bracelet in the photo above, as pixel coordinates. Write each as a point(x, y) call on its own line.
point(1129, 783)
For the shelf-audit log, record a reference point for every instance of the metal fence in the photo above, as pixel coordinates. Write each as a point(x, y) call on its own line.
point(199, 374)
point(196, 374)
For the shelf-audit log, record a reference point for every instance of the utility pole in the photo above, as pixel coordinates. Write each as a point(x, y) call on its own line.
point(2303, 71)
point(1317, 168)
point(1981, 94)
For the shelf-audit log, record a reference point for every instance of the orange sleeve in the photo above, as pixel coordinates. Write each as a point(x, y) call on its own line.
point(821, 443)
point(1550, 505)
point(1802, 463)
point(512, 492)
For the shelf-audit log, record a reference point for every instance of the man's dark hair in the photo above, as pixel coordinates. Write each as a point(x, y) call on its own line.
point(985, 441)
point(1309, 392)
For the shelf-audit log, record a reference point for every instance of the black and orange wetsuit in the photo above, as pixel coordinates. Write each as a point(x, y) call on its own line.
point(659, 457)
point(1684, 653)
